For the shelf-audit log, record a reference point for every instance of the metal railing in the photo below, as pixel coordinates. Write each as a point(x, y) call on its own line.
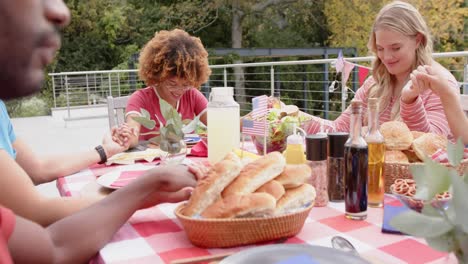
point(304, 83)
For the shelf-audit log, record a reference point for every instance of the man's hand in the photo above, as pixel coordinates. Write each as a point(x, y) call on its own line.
point(172, 184)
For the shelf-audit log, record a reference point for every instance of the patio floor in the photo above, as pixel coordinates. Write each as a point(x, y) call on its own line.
point(48, 135)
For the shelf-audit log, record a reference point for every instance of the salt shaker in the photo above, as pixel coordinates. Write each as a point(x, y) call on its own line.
point(316, 149)
point(336, 143)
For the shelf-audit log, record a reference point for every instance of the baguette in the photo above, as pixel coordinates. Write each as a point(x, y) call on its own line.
point(294, 175)
point(295, 199)
point(256, 173)
point(273, 188)
point(238, 205)
point(209, 189)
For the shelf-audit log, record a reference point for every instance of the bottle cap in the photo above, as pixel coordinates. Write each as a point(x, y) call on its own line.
point(294, 139)
point(221, 93)
point(316, 147)
point(336, 142)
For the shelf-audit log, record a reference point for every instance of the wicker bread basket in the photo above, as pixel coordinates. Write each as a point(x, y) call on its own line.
point(396, 170)
point(220, 233)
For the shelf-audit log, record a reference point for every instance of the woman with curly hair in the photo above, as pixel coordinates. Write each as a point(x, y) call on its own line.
point(401, 41)
point(173, 65)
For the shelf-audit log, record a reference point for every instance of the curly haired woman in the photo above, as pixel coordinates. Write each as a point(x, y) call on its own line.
point(173, 65)
point(401, 41)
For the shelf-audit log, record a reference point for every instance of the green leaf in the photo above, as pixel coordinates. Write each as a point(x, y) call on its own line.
point(420, 225)
point(445, 242)
point(145, 113)
point(435, 179)
point(419, 175)
point(465, 177)
point(155, 140)
point(146, 122)
point(455, 152)
point(165, 108)
point(460, 201)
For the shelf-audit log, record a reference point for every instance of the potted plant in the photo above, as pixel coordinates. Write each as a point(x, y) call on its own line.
point(445, 228)
point(171, 134)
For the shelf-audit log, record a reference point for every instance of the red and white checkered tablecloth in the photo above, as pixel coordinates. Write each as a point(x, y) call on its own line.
point(155, 235)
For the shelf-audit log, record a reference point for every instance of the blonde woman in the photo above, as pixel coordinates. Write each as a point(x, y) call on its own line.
point(401, 41)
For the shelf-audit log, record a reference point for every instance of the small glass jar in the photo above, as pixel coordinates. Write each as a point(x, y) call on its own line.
point(176, 152)
point(336, 185)
point(316, 150)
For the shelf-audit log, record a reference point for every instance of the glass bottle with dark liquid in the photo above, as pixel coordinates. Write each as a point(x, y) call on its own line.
point(356, 167)
point(376, 145)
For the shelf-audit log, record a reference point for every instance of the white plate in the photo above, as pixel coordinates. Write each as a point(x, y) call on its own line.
point(191, 139)
point(107, 179)
point(287, 253)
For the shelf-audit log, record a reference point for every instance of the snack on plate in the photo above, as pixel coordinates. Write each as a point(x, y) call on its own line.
point(209, 189)
point(242, 205)
point(392, 156)
point(407, 187)
point(295, 198)
point(397, 135)
point(294, 175)
point(428, 144)
point(273, 188)
point(256, 173)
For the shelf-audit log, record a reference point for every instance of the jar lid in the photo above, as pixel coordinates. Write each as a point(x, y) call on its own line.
point(222, 92)
point(336, 144)
point(316, 147)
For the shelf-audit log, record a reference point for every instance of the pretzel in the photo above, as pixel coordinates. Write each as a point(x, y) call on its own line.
point(407, 187)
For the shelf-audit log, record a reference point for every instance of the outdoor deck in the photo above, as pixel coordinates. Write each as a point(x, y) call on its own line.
point(48, 135)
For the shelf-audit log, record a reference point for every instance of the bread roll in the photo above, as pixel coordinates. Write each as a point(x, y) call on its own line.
point(256, 173)
point(295, 199)
point(273, 188)
point(395, 156)
point(417, 134)
point(428, 144)
point(242, 205)
point(412, 157)
point(397, 135)
point(294, 175)
point(209, 189)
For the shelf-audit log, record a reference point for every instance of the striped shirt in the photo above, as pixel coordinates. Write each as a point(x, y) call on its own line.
point(425, 114)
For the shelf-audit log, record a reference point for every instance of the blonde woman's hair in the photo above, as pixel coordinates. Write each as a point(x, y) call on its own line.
point(403, 18)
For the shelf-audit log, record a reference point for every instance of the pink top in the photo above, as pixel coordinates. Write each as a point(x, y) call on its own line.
point(7, 224)
point(190, 105)
point(426, 114)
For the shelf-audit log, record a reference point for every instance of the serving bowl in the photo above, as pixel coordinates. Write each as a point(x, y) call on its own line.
point(418, 204)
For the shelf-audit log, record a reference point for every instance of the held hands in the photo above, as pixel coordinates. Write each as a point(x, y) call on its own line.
point(123, 134)
point(111, 147)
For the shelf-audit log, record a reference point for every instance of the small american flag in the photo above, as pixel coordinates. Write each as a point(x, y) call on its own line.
point(253, 127)
point(259, 106)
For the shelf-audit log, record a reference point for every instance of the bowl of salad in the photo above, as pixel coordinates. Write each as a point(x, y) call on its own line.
point(280, 125)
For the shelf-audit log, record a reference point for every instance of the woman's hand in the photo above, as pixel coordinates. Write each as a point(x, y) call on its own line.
point(123, 134)
point(111, 147)
point(428, 77)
